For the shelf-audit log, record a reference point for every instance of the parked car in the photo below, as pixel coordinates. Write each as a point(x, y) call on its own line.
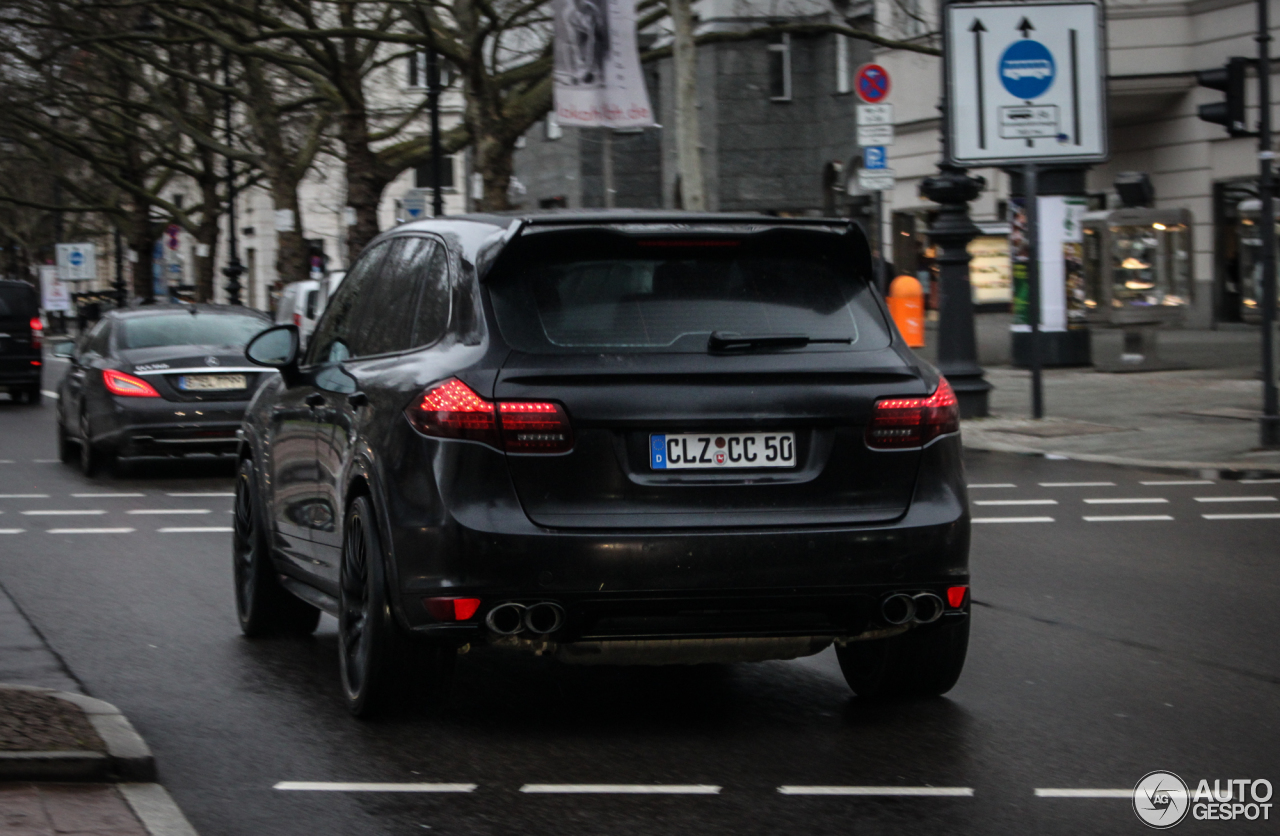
point(162, 380)
point(21, 333)
point(612, 439)
point(301, 303)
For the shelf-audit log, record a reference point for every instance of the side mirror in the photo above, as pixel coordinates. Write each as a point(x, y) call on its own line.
point(275, 347)
point(64, 348)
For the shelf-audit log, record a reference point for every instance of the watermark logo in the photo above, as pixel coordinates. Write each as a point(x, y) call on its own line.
point(1161, 799)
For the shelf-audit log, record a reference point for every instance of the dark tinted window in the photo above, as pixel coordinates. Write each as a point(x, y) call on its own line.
point(98, 338)
point(17, 302)
point(332, 341)
point(667, 298)
point(190, 329)
point(383, 317)
point(433, 301)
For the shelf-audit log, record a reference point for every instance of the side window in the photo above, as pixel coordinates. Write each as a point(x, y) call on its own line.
point(432, 273)
point(98, 339)
point(332, 340)
point(383, 318)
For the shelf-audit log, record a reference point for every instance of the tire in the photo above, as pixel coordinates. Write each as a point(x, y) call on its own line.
point(91, 458)
point(33, 396)
point(382, 669)
point(263, 606)
point(67, 450)
point(923, 662)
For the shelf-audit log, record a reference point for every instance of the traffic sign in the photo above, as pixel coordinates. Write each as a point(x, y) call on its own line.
point(876, 179)
point(416, 202)
point(76, 262)
point(1026, 82)
point(874, 157)
point(171, 232)
point(872, 83)
point(875, 135)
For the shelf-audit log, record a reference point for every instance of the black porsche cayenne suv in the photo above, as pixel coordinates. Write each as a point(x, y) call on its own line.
point(619, 438)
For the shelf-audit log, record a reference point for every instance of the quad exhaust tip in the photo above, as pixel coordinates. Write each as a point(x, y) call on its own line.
point(905, 608)
point(511, 618)
point(506, 619)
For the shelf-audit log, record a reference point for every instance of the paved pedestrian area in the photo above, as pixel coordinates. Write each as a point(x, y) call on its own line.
point(81, 809)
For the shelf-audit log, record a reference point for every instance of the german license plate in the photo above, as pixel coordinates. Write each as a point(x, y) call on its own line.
point(210, 382)
point(709, 451)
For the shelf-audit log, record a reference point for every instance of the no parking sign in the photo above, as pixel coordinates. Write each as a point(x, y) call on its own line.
point(872, 83)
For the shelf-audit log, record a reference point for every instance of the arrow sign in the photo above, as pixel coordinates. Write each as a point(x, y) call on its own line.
point(977, 29)
point(1026, 28)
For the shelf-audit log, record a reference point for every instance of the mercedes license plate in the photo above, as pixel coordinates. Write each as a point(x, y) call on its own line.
point(708, 451)
point(210, 382)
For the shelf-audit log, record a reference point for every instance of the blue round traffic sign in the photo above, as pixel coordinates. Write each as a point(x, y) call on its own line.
point(76, 258)
point(872, 83)
point(1027, 69)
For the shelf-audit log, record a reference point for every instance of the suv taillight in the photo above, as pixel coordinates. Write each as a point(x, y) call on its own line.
point(37, 332)
point(452, 410)
point(898, 423)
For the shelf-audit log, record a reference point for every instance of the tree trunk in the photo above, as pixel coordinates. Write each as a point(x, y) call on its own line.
point(207, 235)
point(364, 186)
point(688, 151)
point(292, 264)
point(140, 242)
point(495, 164)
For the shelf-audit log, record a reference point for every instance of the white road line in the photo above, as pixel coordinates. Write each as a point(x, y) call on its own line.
point(49, 394)
point(1179, 482)
point(195, 529)
point(24, 496)
point(1260, 481)
point(1052, 792)
point(212, 493)
point(1241, 516)
point(1077, 484)
point(89, 531)
point(993, 485)
point(965, 792)
point(1128, 501)
point(64, 513)
point(1012, 519)
point(1015, 502)
point(169, 511)
point(1131, 518)
point(623, 789)
point(341, 786)
point(1235, 499)
point(6, 461)
point(121, 495)
point(12, 530)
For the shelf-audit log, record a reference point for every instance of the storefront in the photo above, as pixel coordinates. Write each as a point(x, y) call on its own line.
point(1137, 265)
point(990, 273)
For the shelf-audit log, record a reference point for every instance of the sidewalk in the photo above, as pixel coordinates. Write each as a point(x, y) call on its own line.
point(1203, 417)
point(69, 764)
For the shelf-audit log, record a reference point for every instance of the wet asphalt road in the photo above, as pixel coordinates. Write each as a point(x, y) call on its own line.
point(1101, 650)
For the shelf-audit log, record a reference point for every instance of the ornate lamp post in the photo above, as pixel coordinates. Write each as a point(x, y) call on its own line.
point(951, 233)
point(234, 270)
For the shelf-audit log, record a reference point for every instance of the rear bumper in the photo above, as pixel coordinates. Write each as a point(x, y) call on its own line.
point(153, 427)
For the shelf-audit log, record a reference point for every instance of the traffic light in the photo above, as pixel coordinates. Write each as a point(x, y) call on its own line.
point(1230, 80)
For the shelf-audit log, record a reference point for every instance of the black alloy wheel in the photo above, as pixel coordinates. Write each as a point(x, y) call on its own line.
point(90, 457)
point(67, 451)
point(262, 605)
point(923, 662)
point(382, 668)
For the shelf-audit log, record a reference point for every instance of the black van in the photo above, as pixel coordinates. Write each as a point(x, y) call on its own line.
point(21, 338)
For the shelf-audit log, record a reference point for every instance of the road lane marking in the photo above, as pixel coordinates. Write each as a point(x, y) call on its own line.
point(1235, 499)
point(623, 789)
point(46, 461)
point(1260, 481)
point(121, 495)
point(993, 485)
point(64, 513)
point(1057, 792)
point(1241, 516)
point(1077, 484)
point(211, 493)
point(1015, 502)
point(1012, 519)
point(343, 786)
point(195, 529)
point(168, 511)
point(90, 531)
point(1179, 482)
point(1128, 501)
point(24, 496)
point(49, 394)
point(952, 792)
point(1131, 518)
point(12, 530)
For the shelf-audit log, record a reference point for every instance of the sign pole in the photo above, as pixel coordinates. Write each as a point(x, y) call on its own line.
point(1030, 187)
point(1270, 425)
point(882, 278)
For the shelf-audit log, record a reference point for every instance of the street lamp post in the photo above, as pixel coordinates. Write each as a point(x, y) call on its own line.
point(951, 233)
point(234, 270)
point(122, 290)
point(1270, 426)
point(433, 105)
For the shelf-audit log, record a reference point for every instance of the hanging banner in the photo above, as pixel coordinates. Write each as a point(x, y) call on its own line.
point(598, 82)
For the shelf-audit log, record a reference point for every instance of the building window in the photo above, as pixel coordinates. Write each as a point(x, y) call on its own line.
point(780, 67)
point(844, 82)
point(554, 131)
point(416, 75)
point(422, 176)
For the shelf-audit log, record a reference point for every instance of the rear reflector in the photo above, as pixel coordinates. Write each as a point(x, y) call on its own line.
point(119, 383)
point(452, 410)
point(898, 423)
point(451, 609)
point(955, 596)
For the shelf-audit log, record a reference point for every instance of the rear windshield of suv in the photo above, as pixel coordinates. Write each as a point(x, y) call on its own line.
point(228, 330)
point(670, 298)
point(17, 302)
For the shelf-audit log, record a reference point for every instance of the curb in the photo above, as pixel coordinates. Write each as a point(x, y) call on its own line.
point(128, 757)
point(156, 809)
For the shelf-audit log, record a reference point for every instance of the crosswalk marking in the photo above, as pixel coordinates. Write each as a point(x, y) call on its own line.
point(1012, 519)
point(952, 792)
point(623, 789)
point(348, 786)
point(1131, 518)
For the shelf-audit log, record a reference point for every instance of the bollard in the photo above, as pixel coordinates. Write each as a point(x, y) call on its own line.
point(906, 306)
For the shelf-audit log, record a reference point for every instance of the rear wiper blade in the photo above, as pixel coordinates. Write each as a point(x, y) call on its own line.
point(729, 341)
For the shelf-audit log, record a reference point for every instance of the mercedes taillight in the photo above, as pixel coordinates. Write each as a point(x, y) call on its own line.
point(900, 423)
point(119, 383)
point(452, 410)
